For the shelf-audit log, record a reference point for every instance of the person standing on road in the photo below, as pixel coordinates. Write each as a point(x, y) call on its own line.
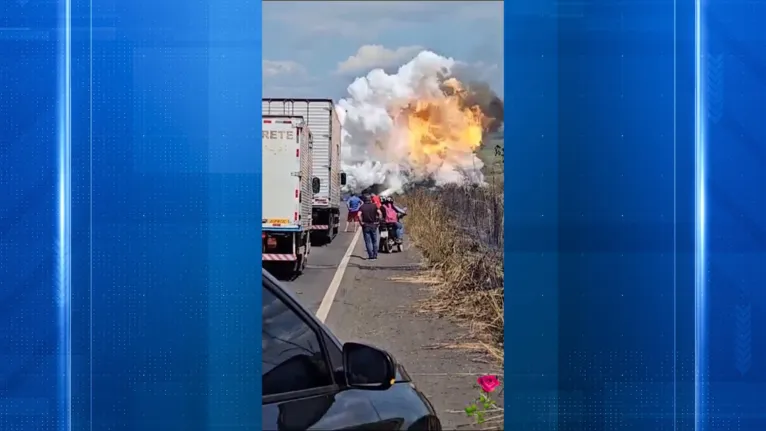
point(370, 217)
point(353, 203)
point(376, 200)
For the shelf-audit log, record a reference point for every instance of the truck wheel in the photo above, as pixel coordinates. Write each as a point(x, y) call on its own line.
point(304, 258)
point(335, 225)
point(299, 265)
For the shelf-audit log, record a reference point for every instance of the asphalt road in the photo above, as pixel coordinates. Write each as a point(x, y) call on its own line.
point(377, 303)
point(310, 287)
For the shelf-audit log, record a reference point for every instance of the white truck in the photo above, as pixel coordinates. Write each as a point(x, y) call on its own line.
point(287, 193)
point(322, 119)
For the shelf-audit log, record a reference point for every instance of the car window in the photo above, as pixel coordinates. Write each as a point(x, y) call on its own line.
point(292, 354)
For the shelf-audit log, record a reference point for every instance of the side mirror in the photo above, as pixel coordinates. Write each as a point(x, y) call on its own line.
point(343, 178)
point(367, 367)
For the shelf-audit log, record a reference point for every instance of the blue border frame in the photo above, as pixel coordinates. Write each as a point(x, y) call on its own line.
point(64, 219)
point(700, 354)
point(574, 130)
point(223, 177)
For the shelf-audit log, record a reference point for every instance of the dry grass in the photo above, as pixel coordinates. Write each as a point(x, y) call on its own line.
point(459, 232)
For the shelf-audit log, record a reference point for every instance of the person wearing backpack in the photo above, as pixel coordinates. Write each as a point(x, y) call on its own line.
point(393, 215)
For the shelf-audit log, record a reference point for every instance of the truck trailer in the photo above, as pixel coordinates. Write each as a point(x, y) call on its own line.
point(322, 118)
point(287, 193)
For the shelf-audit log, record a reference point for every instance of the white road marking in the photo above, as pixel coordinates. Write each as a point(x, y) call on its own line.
point(332, 290)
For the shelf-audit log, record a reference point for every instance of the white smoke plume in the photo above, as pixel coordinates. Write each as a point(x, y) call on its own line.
point(377, 143)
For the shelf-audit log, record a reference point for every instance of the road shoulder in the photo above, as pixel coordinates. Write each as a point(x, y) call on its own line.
point(377, 303)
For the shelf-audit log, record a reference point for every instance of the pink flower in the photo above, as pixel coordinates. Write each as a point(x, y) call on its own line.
point(488, 383)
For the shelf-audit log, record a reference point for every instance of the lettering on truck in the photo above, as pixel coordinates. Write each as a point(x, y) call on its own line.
point(274, 134)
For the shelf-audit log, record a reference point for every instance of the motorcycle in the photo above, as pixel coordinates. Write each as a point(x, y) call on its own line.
point(387, 241)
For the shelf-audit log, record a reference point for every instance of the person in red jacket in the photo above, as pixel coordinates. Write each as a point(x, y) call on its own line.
point(376, 200)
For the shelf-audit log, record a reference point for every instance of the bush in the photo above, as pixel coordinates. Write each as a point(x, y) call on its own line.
point(459, 231)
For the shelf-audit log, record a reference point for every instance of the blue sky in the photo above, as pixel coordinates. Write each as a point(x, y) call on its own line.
point(317, 48)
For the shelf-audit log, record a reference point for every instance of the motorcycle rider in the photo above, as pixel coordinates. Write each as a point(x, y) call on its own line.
point(393, 215)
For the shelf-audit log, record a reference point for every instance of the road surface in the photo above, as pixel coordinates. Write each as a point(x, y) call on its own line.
point(376, 303)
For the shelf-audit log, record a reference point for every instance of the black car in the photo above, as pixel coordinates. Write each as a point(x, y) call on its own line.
point(312, 381)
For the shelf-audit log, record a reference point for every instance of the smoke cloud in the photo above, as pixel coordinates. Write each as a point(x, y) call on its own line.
point(481, 95)
point(417, 125)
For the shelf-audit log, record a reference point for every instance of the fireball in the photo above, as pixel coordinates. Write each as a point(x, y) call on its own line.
point(441, 128)
point(417, 125)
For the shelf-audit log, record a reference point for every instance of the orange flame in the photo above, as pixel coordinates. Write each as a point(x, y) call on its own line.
point(438, 127)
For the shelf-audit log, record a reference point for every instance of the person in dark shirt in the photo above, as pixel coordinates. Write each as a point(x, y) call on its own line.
point(370, 217)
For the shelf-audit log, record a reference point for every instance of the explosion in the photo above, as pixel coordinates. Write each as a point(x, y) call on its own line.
point(438, 127)
point(417, 125)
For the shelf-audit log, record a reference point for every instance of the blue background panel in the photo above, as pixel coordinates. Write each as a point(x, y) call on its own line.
point(33, 282)
point(175, 204)
point(731, 345)
point(129, 230)
point(600, 302)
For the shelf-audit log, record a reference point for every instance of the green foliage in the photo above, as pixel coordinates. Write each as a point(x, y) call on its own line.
point(480, 407)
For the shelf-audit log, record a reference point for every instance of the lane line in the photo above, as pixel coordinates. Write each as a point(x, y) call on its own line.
point(332, 290)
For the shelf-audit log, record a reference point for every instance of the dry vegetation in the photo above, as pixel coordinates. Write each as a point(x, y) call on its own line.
point(459, 231)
